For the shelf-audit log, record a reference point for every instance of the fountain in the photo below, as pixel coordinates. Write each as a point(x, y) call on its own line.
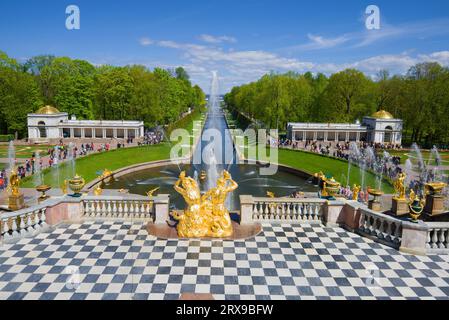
point(38, 179)
point(209, 161)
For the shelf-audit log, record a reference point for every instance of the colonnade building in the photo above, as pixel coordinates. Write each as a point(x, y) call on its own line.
point(381, 127)
point(48, 124)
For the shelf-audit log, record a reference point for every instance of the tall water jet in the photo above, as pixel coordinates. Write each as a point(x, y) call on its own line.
point(11, 156)
point(37, 178)
point(437, 174)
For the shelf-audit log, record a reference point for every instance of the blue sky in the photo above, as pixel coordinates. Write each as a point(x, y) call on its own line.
point(242, 39)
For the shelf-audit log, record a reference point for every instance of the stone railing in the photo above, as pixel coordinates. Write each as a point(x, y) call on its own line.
point(437, 237)
point(111, 207)
point(384, 228)
point(281, 209)
point(30, 221)
point(23, 223)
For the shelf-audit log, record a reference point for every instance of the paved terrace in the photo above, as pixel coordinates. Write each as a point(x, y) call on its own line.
point(119, 260)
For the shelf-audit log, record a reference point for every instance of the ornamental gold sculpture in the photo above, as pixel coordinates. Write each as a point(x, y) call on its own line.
point(16, 199)
point(399, 186)
point(207, 215)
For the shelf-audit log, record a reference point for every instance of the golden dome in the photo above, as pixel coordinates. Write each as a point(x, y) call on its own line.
point(382, 114)
point(48, 110)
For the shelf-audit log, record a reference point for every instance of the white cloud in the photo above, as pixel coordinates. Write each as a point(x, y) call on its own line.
point(319, 42)
point(215, 40)
point(145, 41)
point(240, 66)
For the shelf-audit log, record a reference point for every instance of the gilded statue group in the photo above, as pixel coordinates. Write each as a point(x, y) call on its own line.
point(206, 215)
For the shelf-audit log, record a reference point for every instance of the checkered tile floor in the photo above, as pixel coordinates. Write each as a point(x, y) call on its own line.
point(114, 260)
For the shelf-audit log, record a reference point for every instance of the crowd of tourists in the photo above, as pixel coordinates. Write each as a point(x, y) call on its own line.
point(152, 138)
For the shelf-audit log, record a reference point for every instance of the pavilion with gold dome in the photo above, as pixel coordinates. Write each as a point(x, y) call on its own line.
point(381, 127)
point(48, 124)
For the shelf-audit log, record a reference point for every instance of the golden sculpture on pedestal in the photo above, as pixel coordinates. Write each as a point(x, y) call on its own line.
point(207, 215)
point(355, 192)
point(16, 200)
point(399, 186)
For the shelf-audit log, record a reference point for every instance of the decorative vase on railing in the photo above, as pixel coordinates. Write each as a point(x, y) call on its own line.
point(416, 206)
point(43, 189)
point(77, 184)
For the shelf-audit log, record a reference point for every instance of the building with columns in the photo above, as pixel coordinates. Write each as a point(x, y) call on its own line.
point(381, 127)
point(48, 124)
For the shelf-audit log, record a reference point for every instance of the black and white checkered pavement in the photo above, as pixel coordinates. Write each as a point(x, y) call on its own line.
point(116, 260)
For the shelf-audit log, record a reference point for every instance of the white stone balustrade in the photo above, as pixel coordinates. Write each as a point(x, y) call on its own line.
point(437, 237)
point(281, 209)
point(23, 223)
point(128, 208)
point(386, 229)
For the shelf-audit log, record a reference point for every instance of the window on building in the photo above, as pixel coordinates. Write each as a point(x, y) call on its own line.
point(388, 134)
point(42, 129)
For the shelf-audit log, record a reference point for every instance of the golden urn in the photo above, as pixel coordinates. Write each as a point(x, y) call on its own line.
point(332, 187)
point(416, 206)
point(43, 189)
point(375, 193)
point(76, 184)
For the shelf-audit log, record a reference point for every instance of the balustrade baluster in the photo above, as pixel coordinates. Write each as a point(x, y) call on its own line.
point(6, 229)
point(446, 241)
point(435, 238)
point(442, 239)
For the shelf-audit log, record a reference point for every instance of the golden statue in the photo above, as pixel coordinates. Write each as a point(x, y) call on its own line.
point(16, 200)
point(14, 183)
point(271, 194)
point(193, 223)
point(355, 192)
point(399, 186)
point(205, 216)
point(220, 224)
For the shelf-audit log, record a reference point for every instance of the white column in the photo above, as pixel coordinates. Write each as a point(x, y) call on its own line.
point(72, 133)
point(326, 135)
point(358, 136)
point(104, 133)
point(304, 137)
point(115, 133)
point(315, 134)
point(83, 135)
point(126, 133)
point(347, 135)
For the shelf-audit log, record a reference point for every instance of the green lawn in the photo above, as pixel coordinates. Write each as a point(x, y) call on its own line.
point(88, 167)
point(425, 153)
point(312, 163)
point(24, 152)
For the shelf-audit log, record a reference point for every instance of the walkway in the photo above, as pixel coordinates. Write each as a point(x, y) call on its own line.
point(116, 260)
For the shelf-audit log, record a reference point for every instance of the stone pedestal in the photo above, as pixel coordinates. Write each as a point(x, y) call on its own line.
point(400, 207)
point(434, 205)
point(375, 205)
point(16, 202)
